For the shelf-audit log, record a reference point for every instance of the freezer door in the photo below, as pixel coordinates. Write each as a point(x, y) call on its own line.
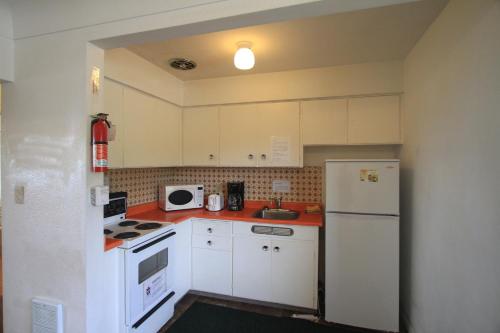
point(370, 187)
point(362, 271)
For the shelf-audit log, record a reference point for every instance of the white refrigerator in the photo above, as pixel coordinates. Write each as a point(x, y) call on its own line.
point(362, 243)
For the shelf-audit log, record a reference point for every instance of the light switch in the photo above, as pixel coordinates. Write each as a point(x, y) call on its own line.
point(19, 194)
point(99, 195)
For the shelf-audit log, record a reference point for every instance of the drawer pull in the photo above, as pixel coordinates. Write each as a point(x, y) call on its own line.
point(265, 248)
point(211, 156)
point(209, 230)
point(250, 156)
point(276, 249)
point(209, 243)
point(263, 156)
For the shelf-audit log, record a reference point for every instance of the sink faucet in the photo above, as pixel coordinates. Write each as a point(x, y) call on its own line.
point(277, 202)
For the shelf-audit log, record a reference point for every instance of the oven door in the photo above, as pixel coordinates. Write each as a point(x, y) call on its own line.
point(181, 198)
point(148, 276)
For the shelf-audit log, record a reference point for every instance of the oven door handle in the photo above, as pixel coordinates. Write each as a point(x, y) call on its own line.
point(153, 310)
point(142, 248)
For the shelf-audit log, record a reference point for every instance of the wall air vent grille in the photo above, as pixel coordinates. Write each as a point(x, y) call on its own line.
point(182, 64)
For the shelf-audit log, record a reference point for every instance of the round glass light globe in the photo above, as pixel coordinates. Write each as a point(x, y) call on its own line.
point(244, 58)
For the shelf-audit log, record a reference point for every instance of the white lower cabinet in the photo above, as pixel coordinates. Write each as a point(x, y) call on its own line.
point(212, 271)
point(212, 256)
point(270, 268)
point(182, 261)
point(252, 268)
point(293, 276)
point(230, 258)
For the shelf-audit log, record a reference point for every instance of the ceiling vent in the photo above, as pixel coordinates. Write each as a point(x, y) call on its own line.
point(182, 64)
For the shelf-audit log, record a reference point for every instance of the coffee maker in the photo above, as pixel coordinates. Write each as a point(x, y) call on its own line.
point(235, 195)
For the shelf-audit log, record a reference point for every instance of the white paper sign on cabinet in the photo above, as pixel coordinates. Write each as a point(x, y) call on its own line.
point(280, 149)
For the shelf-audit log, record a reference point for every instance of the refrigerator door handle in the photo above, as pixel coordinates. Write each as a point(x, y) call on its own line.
point(366, 214)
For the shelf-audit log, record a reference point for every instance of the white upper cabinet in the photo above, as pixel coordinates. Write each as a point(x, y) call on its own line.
point(151, 131)
point(324, 122)
point(113, 105)
point(171, 119)
point(278, 134)
point(239, 128)
point(374, 120)
point(265, 134)
point(200, 136)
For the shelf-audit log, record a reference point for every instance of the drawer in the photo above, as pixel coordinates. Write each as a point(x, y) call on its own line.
point(212, 227)
point(211, 242)
point(278, 231)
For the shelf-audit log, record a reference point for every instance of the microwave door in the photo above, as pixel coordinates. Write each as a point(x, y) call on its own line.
point(180, 198)
point(148, 275)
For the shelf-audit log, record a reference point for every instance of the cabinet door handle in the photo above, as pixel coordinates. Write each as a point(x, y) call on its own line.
point(211, 156)
point(209, 230)
point(263, 156)
point(276, 249)
point(250, 156)
point(209, 243)
point(265, 248)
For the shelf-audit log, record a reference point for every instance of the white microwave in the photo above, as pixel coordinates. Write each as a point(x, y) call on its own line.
point(181, 197)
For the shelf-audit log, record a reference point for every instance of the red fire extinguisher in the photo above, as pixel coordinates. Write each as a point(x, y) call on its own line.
point(99, 142)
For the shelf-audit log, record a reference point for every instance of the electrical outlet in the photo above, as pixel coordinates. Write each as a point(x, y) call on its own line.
point(19, 194)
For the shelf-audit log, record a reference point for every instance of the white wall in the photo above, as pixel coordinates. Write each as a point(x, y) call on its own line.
point(361, 79)
point(6, 43)
point(44, 149)
point(126, 67)
point(450, 162)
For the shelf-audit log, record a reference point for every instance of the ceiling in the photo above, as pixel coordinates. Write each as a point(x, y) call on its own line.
point(380, 34)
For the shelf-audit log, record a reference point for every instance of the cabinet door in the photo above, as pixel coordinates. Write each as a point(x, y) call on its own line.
point(324, 122)
point(278, 134)
point(374, 120)
point(212, 271)
point(182, 259)
point(170, 134)
point(113, 105)
point(252, 268)
point(239, 126)
point(200, 136)
point(147, 129)
point(293, 272)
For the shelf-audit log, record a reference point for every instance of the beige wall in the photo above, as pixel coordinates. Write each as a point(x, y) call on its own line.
point(316, 155)
point(361, 79)
point(450, 225)
point(6, 43)
point(128, 68)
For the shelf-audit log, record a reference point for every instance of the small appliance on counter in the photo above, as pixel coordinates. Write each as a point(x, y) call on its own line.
point(181, 197)
point(235, 195)
point(215, 202)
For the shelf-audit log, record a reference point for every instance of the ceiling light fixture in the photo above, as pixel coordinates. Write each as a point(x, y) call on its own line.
point(244, 58)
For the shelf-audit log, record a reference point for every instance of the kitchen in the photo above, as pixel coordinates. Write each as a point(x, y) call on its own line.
point(230, 183)
point(201, 146)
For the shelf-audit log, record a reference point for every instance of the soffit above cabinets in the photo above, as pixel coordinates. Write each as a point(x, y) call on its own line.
point(371, 35)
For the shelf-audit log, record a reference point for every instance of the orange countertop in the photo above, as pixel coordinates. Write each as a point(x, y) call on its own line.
point(111, 243)
point(151, 212)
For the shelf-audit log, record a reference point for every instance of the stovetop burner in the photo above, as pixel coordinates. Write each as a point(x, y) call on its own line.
point(127, 223)
point(125, 235)
point(107, 231)
point(148, 226)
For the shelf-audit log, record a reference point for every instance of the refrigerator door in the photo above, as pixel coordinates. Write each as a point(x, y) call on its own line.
point(370, 187)
point(362, 271)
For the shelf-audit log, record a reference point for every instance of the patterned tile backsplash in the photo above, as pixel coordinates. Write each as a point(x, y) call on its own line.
point(142, 184)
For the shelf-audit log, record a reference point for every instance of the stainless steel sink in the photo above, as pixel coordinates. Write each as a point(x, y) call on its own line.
point(276, 214)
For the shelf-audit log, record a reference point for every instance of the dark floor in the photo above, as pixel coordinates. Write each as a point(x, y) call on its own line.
point(190, 298)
